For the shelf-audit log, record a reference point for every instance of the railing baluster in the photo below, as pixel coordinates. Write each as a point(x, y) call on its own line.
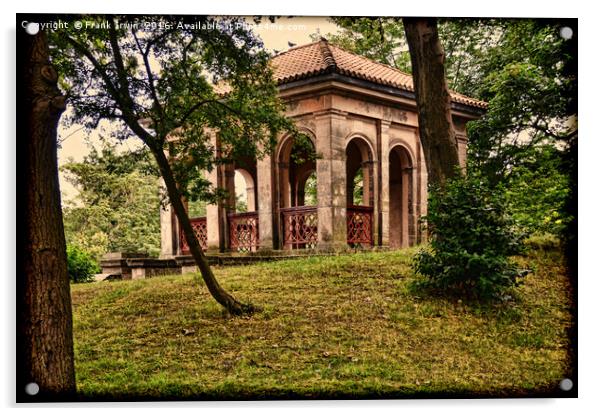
point(244, 231)
point(359, 225)
point(199, 226)
point(300, 226)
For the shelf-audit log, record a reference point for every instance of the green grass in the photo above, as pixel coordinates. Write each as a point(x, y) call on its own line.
point(340, 326)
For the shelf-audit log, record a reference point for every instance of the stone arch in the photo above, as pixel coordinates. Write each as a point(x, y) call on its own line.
point(409, 153)
point(359, 158)
point(247, 167)
point(292, 174)
point(285, 144)
point(301, 185)
point(402, 224)
point(369, 145)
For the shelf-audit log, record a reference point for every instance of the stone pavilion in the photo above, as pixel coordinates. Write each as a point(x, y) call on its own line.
point(366, 188)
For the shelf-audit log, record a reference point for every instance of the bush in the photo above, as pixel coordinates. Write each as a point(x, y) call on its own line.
point(471, 239)
point(80, 265)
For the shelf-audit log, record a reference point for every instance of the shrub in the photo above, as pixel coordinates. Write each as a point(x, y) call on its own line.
point(471, 239)
point(80, 265)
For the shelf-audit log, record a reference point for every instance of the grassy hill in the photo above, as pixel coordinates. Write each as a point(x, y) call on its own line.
point(342, 326)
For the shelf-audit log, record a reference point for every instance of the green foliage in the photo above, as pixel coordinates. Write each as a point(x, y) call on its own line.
point(358, 187)
point(527, 74)
point(472, 238)
point(303, 150)
point(117, 207)
point(197, 209)
point(528, 77)
point(537, 190)
point(81, 266)
point(241, 204)
point(311, 190)
point(466, 43)
point(174, 79)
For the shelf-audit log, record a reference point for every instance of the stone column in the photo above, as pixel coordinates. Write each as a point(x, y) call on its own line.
point(265, 198)
point(331, 172)
point(384, 181)
point(285, 188)
point(371, 192)
point(421, 174)
point(462, 142)
point(406, 200)
point(213, 210)
point(461, 139)
point(169, 228)
point(229, 207)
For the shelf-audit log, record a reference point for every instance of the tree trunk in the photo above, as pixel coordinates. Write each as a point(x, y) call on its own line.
point(44, 321)
point(437, 133)
point(233, 306)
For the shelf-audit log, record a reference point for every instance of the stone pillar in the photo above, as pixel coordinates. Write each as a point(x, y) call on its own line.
point(213, 217)
point(229, 207)
point(384, 182)
point(213, 210)
point(331, 172)
point(169, 228)
point(265, 198)
point(462, 142)
point(421, 173)
point(406, 210)
point(285, 185)
point(374, 198)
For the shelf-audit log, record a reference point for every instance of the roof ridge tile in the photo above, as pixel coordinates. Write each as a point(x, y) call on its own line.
point(327, 56)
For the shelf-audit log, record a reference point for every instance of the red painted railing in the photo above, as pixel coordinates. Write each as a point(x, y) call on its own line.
point(300, 227)
point(244, 231)
point(199, 225)
point(359, 225)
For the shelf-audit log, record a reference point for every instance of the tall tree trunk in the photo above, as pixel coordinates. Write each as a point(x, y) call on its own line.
point(44, 321)
point(437, 133)
point(219, 294)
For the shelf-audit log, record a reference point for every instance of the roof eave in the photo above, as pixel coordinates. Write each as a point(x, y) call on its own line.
point(468, 111)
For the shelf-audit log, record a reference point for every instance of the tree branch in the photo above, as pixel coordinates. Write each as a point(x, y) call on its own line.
point(128, 116)
point(151, 79)
point(121, 73)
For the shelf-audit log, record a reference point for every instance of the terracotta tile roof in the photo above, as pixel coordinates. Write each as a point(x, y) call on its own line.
point(322, 57)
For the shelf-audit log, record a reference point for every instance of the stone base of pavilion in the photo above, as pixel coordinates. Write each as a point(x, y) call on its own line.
point(134, 266)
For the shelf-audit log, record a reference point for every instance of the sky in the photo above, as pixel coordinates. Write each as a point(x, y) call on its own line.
point(276, 37)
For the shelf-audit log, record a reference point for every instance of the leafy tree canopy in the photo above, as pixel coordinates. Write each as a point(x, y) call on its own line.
point(184, 76)
point(528, 76)
point(117, 207)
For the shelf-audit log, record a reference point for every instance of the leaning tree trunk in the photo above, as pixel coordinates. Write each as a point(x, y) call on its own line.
point(437, 133)
point(219, 294)
point(44, 326)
